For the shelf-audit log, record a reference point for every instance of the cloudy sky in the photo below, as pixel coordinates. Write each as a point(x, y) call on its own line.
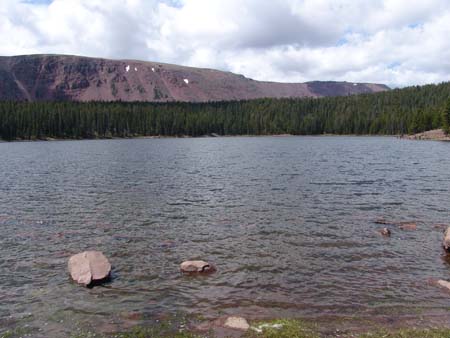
point(397, 42)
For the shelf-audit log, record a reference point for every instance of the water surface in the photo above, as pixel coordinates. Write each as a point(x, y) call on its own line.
point(288, 221)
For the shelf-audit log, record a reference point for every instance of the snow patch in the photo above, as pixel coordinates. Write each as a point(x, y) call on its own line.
point(186, 81)
point(127, 68)
point(153, 69)
point(135, 69)
point(355, 84)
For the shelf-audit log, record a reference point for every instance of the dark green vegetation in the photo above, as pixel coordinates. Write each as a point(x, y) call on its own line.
point(446, 118)
point(400, 111)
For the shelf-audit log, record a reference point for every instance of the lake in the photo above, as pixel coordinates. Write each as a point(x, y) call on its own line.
point(288, 221)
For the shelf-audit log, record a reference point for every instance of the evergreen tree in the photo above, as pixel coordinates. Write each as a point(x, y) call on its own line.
point(446, 117)
point(399, 111)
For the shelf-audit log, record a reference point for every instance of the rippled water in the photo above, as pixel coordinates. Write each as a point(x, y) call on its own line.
point(288, 221)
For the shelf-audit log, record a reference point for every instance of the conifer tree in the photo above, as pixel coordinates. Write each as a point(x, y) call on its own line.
point(446, 117)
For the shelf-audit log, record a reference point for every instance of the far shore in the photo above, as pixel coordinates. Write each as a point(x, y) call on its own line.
point(430, 135)
point(137, 137)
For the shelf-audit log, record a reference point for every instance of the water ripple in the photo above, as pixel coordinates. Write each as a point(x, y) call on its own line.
point(288, 221)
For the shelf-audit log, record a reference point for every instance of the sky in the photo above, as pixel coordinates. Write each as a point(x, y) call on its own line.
point(395, 42)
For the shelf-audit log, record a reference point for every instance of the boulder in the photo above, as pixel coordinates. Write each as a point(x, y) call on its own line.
point(197, 267)
point(446, 242)
point(237, 323)
point(89, 267)
point(444, 284)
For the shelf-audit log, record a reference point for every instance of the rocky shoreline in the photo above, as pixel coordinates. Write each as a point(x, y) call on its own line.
point(430, 135)
point(237, 327)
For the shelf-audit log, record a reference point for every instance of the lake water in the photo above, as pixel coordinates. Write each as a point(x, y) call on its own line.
point(289, 222)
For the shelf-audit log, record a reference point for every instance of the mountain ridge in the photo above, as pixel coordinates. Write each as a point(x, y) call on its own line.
point(43, 77)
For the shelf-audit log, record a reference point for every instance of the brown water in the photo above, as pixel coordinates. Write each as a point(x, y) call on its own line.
point(288, 221)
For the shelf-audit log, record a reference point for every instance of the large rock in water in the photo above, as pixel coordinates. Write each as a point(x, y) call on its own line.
point(197, 267)
point(446, 242)
point(89, 267)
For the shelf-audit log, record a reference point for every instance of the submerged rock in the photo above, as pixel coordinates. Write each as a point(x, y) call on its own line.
point(385, 232)
point(401, 225)
point(441, 226)
point(383, 221)
point(407, 226)
point(168, 244)
point(197, 267)
point(237, 323)
point(446, 242)
point(89, 267)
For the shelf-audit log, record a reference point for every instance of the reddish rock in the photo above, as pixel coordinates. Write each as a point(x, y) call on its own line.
point(407, 226)
point(88, 267)
point(444, 284)
point(197, 267)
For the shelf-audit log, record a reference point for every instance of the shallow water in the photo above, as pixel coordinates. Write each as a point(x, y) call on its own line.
point(288, 221)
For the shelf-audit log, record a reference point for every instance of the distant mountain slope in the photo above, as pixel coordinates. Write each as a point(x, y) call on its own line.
point(62, 77)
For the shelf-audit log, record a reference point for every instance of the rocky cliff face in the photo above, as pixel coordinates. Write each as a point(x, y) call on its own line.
point(61, 77)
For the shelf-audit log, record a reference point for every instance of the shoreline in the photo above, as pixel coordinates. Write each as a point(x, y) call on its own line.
point(429, 135)
point(191, 326)
point(51, 139)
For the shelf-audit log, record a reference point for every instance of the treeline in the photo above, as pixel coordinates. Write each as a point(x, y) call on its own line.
point(399, 111)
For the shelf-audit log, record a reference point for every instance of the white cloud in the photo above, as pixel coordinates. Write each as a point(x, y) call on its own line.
point(398, 42)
